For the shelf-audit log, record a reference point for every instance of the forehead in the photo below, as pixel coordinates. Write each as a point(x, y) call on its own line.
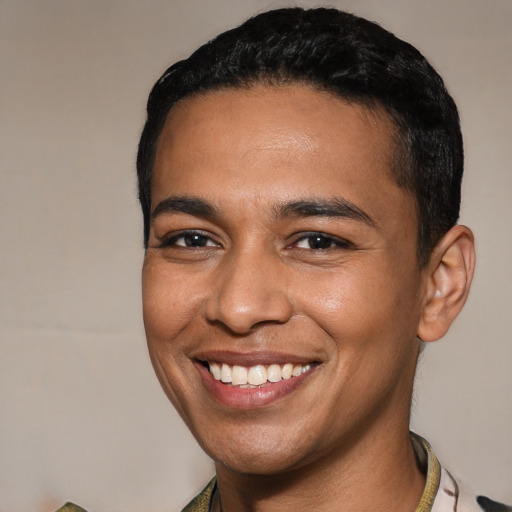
point(290, 140)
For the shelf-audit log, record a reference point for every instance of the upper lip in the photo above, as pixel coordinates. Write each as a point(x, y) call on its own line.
point(252, 358)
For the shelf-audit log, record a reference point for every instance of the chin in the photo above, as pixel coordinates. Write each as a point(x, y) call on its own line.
point(257, 463)
point(260, 453)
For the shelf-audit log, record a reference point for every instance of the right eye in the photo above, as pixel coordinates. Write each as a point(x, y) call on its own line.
point(321, 242)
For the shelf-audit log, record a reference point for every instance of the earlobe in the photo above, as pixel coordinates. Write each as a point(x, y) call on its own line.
point(450, 271)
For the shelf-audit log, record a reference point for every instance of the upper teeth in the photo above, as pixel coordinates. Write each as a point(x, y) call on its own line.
point(256, 375)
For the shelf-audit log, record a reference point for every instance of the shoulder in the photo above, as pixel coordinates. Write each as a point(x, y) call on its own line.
point(452, 495)
point(71, 507)
point(492, 506)
point(201, 503)
point(444, 493)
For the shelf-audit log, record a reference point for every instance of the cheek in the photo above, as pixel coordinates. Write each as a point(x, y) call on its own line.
point(169, 308)
point(169, 300)
point(357, 306)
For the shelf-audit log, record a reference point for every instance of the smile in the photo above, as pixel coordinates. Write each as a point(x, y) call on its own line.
point(255, 376)
point(253, 380)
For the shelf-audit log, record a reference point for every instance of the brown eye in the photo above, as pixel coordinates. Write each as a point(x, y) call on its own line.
point(320, 241)
point(190, 239)
point(193, 240)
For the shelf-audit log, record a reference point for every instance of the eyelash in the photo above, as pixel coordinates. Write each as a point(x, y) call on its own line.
point(170, 241)
point(333, 242)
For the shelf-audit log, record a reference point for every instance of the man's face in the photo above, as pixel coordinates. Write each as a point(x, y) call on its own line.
point(280, 244)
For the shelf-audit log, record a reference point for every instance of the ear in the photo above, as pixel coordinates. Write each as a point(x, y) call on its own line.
point(449, 274)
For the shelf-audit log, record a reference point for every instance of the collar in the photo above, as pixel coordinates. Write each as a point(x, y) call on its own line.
point(432, 469)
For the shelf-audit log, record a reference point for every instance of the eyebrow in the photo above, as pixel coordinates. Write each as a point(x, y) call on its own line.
point(188, 205)
point(334, 207)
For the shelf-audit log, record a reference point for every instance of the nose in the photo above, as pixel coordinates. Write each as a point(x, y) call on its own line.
point(249, 289)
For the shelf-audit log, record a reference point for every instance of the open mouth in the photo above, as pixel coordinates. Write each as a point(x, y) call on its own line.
point(257, 375)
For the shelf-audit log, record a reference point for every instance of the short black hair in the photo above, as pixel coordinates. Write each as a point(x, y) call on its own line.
point(352, 58)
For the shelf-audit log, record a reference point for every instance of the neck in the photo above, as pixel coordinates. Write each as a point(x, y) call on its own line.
point(378, 472)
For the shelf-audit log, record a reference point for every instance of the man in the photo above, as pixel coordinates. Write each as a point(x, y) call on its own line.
point(300, 183)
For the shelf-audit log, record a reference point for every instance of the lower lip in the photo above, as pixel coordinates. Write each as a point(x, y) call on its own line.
point(249, 398)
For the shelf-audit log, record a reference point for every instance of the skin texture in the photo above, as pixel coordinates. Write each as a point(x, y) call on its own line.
point(235, 275)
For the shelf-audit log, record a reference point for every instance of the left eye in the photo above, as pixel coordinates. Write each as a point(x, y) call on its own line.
point(319, 241)
point(192, 239)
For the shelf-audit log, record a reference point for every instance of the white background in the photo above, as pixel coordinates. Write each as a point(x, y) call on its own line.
point(81, 415)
